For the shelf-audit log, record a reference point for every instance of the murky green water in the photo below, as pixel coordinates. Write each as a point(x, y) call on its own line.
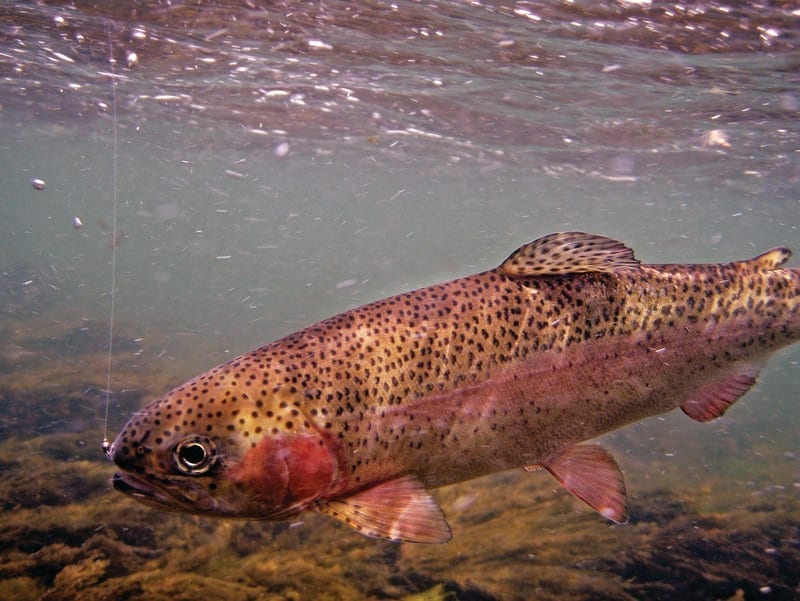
point(278, 164)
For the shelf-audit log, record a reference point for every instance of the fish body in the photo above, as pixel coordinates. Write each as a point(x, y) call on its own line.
point(359, 415)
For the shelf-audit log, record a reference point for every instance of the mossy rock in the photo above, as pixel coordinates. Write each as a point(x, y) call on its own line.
point(21, 588)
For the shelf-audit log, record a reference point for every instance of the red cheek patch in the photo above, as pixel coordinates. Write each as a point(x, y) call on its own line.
point(263, 472)
point(284, 470)
point(311, 467)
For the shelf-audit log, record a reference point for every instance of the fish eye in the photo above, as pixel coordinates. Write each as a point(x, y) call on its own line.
point(195, 456)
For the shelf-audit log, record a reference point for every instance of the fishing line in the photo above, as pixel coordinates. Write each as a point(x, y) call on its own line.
point(106, 445)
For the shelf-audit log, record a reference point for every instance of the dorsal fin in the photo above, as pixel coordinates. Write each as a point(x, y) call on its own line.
point(771, 259)
point(569, 252)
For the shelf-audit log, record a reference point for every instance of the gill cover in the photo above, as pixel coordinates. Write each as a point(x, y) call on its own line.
point(290, 466)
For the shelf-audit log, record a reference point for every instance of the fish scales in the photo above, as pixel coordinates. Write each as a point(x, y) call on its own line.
point(357, 415)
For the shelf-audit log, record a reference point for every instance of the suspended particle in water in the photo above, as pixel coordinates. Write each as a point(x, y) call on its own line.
point(715, 137)
point(345, 283)
point(281, 150)
point(77, 223)
point(39, 184)
point(131, 58)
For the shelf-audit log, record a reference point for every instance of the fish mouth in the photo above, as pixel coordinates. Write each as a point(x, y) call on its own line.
point(147, 492)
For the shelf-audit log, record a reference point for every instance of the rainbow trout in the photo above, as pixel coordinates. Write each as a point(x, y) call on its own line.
point(358, 415)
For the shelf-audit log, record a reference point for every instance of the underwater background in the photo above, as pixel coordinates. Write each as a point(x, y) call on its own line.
point(280, 162)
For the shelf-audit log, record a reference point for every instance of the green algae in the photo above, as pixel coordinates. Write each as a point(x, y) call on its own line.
point(721, 520)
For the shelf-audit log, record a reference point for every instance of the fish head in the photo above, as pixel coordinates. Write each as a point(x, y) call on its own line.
point(210, 448)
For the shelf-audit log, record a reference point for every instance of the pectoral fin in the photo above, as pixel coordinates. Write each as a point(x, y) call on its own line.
point(590, 473)
point(399, 509)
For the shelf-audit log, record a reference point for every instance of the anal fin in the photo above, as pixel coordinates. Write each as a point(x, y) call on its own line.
point(713, 399)
point(399, 510)
point(590, 473)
